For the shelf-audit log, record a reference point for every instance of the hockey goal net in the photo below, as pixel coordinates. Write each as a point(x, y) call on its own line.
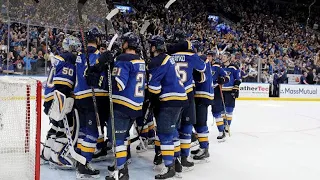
point(20, 124)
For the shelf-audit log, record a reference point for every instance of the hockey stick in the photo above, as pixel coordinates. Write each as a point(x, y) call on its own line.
point(169, 3)
point(224, 107)
point(144, 28)
point(113, 132)
point(85, 47)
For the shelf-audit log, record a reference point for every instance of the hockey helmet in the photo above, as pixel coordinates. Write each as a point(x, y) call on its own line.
point(158, 42)
point(93, 34)
point(71, 44)
point(132, 40)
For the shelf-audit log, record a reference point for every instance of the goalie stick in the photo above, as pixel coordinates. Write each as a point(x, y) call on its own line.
point(69, 148)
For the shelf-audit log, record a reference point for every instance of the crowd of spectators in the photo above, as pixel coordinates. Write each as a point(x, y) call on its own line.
point(264, 37)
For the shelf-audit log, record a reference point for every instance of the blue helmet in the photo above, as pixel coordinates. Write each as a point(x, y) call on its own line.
point(158, 42)
point(132, 40)
point(197, 44)
point(210, 52)
point(93, 34)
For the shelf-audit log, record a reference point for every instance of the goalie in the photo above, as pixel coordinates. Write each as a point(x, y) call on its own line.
point(61, 79)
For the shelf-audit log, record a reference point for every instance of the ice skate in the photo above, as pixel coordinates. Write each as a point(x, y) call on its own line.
point(186, 165)
point(221, 137)
point(123, 174)
point(86, 172)
point(157, 161)
point(167, 173)
point(202, 156)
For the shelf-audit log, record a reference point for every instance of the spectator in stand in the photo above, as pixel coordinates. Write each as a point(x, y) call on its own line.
point(303, 79)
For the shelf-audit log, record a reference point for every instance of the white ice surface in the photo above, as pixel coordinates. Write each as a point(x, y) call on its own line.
point(270, 140)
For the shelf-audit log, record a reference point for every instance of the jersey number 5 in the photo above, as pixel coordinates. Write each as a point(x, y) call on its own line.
point(139, 89)
point(180, 72)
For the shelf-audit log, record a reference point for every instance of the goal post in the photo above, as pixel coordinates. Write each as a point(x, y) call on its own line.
point(20, 128)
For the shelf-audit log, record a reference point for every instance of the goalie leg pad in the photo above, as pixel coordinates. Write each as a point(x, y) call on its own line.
point(46, 151)
point(56, 158)
point(60, 106)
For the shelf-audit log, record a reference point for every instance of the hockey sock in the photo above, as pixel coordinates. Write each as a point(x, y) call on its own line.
point(121, 153)
point(167, 148)
point(157, 145)
point(176, 142)
point(88, 144)
point(151, 133)
point(100, 142)
point(203, 133)
point(229, 114)
point(219, 121)
point(185, 132)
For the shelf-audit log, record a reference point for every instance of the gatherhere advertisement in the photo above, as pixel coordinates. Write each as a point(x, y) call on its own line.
point(299, 91)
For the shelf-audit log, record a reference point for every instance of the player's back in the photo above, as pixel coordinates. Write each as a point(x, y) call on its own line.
point(186, 62)
point(61, 77)
point(204, 84)
point(165, 81)
point(234, 74)
point(128, 92)
point(82, 90)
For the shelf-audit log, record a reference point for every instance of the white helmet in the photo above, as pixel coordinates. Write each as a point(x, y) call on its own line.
point(71, 44)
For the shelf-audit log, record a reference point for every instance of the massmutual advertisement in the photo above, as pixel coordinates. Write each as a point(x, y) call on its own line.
point(299, 91)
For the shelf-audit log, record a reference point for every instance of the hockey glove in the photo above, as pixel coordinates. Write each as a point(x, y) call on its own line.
point(105, 59)
point(92, 76)
point(220, 80)
point(235, 92)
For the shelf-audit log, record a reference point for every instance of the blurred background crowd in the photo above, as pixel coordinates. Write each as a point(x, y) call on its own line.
point(269, 40)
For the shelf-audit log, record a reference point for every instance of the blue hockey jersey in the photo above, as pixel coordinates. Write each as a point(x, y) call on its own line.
point(62, 77)
point(204, 85)
point(128, 79)
point(165, 81)
point(186, 62)
point(218, 71)
point(234, 73)
point(82, 90)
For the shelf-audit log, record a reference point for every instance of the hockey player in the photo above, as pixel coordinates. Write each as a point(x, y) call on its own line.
point(61, 78)
point(168, 97)
point(220, 77)
point(128, 79)
point(230, 89)
point(86, 77)
point(203, 98)
point(186, 61)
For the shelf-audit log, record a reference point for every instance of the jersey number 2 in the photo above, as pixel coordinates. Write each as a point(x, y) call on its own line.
point(139, 90)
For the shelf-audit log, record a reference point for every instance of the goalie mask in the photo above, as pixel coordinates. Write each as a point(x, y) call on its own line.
point(71, 44)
